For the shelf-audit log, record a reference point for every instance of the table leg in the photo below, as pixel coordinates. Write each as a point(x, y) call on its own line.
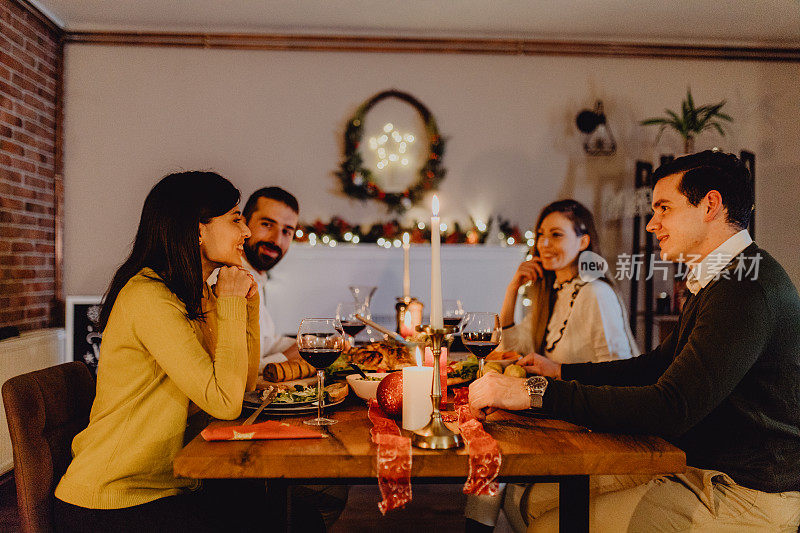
point(573, 494)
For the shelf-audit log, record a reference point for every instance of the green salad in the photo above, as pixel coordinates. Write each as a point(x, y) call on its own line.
point(299, 394)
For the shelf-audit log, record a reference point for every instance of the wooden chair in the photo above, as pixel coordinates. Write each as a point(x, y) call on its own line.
point(45, 410)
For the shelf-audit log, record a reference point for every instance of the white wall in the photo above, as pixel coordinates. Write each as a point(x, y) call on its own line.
point(258, 117)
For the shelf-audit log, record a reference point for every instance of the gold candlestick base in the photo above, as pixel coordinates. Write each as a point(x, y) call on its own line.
point(436, 435)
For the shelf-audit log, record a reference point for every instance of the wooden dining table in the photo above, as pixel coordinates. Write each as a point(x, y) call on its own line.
point(533, 449)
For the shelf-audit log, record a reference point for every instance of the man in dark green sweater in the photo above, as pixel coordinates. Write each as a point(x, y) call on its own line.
point(724, 386)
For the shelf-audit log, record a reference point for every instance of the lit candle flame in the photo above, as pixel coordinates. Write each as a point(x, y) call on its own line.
point(418, 355)
point(435, 206)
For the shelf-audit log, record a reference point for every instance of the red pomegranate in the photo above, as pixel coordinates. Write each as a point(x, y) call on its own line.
point(390, 394)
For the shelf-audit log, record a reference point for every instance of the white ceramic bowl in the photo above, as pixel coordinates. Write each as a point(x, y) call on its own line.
point(365, 389)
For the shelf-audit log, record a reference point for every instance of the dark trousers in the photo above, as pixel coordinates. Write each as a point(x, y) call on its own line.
point(220, 506)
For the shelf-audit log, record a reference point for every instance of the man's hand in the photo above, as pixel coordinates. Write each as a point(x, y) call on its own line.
point(497, 391)
point(292, 353)
point(538, 364)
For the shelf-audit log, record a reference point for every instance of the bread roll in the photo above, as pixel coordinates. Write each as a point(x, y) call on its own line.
point(287, 371)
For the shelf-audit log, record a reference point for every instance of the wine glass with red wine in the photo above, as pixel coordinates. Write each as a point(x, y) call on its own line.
point(346, 313)
point(320, 342)
point(481, 334)
point(452, 312)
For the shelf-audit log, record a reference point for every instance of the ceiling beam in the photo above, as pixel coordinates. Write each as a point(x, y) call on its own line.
point(499, 46)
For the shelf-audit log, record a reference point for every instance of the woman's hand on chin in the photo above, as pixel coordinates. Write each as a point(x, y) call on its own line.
point(527, 272)
point(534, 363)
point(235, 281)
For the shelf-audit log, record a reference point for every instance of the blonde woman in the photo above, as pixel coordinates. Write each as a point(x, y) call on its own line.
point(570, 321)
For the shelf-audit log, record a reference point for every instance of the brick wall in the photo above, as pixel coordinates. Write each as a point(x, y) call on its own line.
point(30, 57)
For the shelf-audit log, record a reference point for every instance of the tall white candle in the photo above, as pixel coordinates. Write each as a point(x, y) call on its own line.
point(406, 267)
point(417, 407)
point(436, 268)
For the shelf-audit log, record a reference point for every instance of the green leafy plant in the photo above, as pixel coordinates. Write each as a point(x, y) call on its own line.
point(692, 121)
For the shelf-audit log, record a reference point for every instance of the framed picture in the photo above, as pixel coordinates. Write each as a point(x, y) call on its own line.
point(82, 331)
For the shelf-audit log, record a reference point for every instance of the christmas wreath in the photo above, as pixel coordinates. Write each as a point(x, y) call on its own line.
point(357, 180)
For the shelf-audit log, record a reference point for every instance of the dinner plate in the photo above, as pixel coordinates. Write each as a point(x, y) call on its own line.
point(290, 409)
point(253, 400)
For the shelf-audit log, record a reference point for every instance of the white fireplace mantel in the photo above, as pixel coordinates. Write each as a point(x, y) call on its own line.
point(311, 280)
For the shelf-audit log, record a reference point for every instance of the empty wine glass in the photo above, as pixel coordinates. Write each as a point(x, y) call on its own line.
point(481, 333)
point(320, 342)
point(346, 313)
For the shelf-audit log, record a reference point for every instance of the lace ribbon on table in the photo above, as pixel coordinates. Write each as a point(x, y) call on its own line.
point(484, 452)
point(394, 460)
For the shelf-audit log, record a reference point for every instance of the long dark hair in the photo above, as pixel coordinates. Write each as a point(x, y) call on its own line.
point(541, 292)
point(168, 237)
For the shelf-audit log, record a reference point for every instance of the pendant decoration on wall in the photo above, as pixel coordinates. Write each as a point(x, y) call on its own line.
point(359, 182)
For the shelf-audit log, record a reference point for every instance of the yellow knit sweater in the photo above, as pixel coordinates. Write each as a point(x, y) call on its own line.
point(152, 364)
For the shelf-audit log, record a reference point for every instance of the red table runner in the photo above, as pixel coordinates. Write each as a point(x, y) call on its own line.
point(394, 460)
point(484, 452)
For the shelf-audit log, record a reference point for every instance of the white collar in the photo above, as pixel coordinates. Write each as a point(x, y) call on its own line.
point(702, 273)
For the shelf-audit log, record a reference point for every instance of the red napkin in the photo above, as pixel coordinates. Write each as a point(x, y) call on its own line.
point(394, 460)
point(484, 452)
point(271, 429)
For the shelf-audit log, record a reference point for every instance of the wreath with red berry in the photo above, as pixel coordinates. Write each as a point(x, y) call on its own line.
point(357, 180)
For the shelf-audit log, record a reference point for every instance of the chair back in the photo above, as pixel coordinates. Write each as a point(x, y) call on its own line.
point(45, 410)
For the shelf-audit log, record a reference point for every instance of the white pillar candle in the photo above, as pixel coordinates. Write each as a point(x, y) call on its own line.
point(436, 268)
point(406, 267)
point(417, 407)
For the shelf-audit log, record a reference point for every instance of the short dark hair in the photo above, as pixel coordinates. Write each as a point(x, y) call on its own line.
point(270, 193)
point(717, 171)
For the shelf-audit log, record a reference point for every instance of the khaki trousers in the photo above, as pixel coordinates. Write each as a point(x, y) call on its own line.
point(696, 501)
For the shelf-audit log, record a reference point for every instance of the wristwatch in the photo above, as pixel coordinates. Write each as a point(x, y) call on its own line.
point(536, 386)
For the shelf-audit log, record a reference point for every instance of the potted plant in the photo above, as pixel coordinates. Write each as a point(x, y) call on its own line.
point(692, 121)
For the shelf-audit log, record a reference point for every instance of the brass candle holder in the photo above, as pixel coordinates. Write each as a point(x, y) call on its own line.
point(436, 435)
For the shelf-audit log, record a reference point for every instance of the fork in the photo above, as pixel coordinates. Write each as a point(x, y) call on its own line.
point(270, 396)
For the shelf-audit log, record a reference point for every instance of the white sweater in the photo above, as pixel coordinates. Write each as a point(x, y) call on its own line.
point(596, 327)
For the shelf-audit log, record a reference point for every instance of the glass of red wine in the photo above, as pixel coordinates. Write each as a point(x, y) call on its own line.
point(346, 313)
point(320, 342)
point(452, 312)
point(481, 334)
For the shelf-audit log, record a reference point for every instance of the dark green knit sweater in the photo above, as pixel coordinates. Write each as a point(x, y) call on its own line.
point(724, 386)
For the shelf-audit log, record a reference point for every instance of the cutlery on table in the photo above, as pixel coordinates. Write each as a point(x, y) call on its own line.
point(270, 396)
point(358, 369)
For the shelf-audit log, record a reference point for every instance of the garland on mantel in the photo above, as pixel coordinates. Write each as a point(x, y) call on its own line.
point(357, 180)
point(390, 233)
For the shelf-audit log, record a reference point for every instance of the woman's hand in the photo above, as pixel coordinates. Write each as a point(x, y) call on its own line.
point(534, 363)
point(527, 272)
point(235, 281)
point(494, 391)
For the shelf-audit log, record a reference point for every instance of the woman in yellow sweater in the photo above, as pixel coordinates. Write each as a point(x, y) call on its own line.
point(168, 341)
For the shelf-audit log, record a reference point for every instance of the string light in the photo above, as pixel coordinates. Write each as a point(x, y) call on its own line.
point(401, 143)
point(299, 234)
